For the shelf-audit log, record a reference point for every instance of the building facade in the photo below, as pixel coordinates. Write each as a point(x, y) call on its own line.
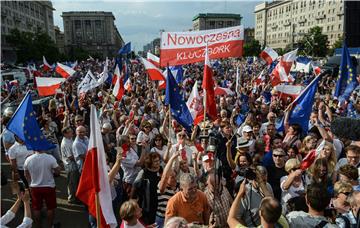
point(59, 37)
point(249, 34)
point(204, 21)
point(281, 24)
point(26, 16)
point(93, 31)
point(153, 47)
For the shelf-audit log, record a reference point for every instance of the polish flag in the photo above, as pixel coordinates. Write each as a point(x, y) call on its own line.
point(118, 90)
point(115, 75)
point(260, 78)
point(208, 86)
point(64, 70)
point(286, 91)
point(127, 85)
point(269, 55)
point(94, 178)
point(47, 86)
point(153, 72)
point(223, 91)
point(282, 69)
point(195, 105)
point(153, 59)
point(316, 69)
point(46, 66)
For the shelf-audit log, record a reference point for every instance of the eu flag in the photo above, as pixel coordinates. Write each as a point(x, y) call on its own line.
point(347, 76)
point(174, 97)
point(24, 125)
point(126, 49)
point(301, 111)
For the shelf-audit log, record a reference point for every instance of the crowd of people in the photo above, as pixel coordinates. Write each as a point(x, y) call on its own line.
point(240, 170)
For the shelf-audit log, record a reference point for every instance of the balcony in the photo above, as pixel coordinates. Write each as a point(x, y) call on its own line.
point(320, 17)
point(302, 21)
point(287, 24)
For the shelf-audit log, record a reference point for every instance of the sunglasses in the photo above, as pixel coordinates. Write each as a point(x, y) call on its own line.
point(346, 193)
point(182, 136)
point(294, 169)
point(278, 155)
point(132, 138)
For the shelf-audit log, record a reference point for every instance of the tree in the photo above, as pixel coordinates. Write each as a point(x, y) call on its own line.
point(33, 46)
point(314, 43)
point(252, 48)
point(337, 44)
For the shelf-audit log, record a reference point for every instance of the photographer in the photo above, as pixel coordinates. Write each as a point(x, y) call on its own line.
point(248, 199)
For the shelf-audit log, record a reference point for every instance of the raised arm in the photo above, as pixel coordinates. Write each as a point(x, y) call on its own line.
point(166, 173)
point(229, 158)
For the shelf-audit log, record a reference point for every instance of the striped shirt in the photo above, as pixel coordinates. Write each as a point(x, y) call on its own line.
point(163, 200)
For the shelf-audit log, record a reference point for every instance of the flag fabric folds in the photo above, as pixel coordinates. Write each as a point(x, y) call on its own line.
point(94, 178)
point(64, 70)
point(195, 105)
point(47, 86)
point(174, 97)
point(89, 82)
point(286, 91)
point(346, 82)
point(208, 85)
point(105, 73)
point(302, 64)
point(154, 73)
point(260, 78)
point(269, 55)
point(118, 90)
point(281, 73)
point(223, 91)
point(46, 65)
point(153, 59)
point(301, 110)
point(126, 49)
point(316, 69)
point(24, 125)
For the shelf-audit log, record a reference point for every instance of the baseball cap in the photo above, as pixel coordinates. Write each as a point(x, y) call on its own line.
point(247, 129)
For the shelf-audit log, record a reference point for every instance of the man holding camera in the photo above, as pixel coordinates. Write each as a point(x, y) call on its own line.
point(251, 194)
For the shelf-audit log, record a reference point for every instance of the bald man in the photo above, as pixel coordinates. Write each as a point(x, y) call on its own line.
point(80, 146)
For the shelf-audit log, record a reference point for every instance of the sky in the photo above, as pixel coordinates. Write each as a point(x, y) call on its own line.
point(141, 21)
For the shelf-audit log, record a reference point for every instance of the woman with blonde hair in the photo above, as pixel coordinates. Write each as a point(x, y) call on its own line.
point(308, 143)
point(130, 212)
point(327, 151)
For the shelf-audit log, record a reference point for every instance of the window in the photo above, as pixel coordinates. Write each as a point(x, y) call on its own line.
point(212, 23)
point(77, 24)
point(229, 23)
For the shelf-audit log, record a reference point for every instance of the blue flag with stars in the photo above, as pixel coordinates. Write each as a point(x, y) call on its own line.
point(174, 97)
point(347, 76)
point(301, 110)
point(24, 125)
point(126, 49)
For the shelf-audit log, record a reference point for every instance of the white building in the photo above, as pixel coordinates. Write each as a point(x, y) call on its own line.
point(282, 23)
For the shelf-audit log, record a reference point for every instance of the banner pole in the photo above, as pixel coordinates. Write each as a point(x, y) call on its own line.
point(97, 203)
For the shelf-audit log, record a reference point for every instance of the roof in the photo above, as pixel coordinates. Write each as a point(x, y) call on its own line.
point(217, 15)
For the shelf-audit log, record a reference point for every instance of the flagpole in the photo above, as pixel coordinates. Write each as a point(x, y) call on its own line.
point(97, 204)
point(169, 133)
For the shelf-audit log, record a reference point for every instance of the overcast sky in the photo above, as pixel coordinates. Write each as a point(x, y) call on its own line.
point(141, 21)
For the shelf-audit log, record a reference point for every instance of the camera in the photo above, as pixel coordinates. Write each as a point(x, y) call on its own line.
point(248, 173)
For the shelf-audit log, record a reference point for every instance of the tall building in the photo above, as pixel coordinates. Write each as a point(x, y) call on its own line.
point(26, 16)
point(204, 21)
point(59, 37)
point(93, 31)
point(153, 47)
point(283, 23)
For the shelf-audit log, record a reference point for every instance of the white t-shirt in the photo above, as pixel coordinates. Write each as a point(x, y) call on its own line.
point(20, 153)
point(188, 152)
point(40, 167)
point(291, 192)
point(137, 225)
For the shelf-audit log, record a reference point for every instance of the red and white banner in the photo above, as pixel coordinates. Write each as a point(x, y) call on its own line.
point(178, 48)
point(48, 86)
point(46, 65)
point(219, 91)
point(281, 73)
point(286, 91)
point(195, 104)
point(119, 89)
point(94, 179)
point(154, 73)
point(269, 55)
point(153, 59)
point(64, 70)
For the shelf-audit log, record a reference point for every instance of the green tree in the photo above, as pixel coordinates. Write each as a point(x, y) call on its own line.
point(32, 46)
point(252, 48)
point(337, 44)
point(314, 43)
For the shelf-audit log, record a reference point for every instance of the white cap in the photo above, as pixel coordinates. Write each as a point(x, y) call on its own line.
point(247, 128)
